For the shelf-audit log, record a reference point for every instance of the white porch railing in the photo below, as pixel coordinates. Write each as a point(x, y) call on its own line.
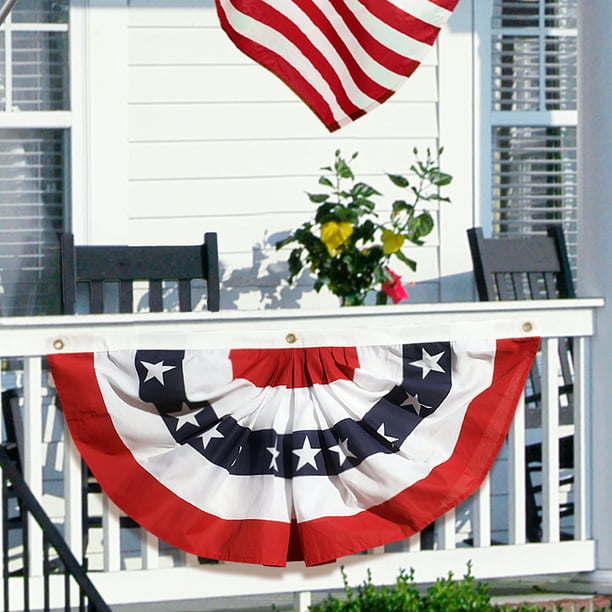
point(479, 531)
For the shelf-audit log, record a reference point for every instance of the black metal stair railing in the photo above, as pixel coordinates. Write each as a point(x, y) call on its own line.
point(66, 563)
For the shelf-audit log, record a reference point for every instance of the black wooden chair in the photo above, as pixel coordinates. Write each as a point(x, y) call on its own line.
point(526, 268)
point(122, 265)
point(96, 265)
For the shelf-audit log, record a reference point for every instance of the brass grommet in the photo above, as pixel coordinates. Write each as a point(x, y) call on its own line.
point(290, 338)
point(58, 344)
point(527, 326)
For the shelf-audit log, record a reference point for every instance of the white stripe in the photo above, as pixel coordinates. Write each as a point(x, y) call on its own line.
point(182, 469)
point(425, 11)
point(388, 36)
point(377, 72)
point(271, 39)
point(210, 488)
point(380, 477)
point(301, 19)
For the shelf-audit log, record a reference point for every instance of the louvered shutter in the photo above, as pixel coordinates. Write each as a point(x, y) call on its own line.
point(533, 117)
point(34, 160)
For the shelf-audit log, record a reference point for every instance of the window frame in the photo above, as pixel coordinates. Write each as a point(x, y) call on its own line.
point(488, 118)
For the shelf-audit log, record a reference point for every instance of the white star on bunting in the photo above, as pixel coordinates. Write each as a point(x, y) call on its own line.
point(275, 453)
point(185, 415)
point(381, 432)
point(429, 363)
point(413, 402)
point(343, 451)
point(156, 370)
point(306, 455)
point(210, 434)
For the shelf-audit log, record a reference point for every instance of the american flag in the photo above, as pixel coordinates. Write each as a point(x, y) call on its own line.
point(273, 455)
point(342, 57)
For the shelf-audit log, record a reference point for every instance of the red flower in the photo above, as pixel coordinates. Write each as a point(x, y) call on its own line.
point(394, 288)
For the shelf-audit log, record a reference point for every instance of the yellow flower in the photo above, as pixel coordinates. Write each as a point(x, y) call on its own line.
point(392, 242)
point(334, 235)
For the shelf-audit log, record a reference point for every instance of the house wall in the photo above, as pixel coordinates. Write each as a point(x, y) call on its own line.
point(200, 138)
point(177, 133)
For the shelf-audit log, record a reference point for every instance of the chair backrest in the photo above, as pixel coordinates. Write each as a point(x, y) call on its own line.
point(96, 265)
point(525, 268)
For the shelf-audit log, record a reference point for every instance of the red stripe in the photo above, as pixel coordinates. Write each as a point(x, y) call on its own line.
point(449, 5)
point(482, 434)
point(268, 15)
point(283, 69)
point(143, 497)
point(369, 86)
point(294, 368)
point(404, 22)
point(393, 61)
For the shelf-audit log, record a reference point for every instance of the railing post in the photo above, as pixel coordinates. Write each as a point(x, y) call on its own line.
point(595, 248)
point(516, 476)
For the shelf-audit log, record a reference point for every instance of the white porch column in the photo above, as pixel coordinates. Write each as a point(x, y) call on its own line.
point(595, 249)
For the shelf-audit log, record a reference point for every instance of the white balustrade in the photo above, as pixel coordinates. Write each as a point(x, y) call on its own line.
point(31, 338)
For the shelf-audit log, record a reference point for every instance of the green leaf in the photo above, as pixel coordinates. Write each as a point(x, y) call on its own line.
point(343, 169)
point(399, 180)
point(409, 262)
point(317, 198)
point(439, 179)
point(402, 205)
point(423, 224)
point(318, 285)
point(363, 190)
point(325, 181)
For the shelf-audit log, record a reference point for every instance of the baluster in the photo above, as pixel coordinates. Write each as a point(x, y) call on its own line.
point(550, 441)
point(481, 514)
point(580, 444)
point(302, 601)
point(516, 476)
point(33, 459)
point(445, 531)
point(414, 543)
point(150, 550)
point(72, 496)
point(111, 538)
point(73, 501)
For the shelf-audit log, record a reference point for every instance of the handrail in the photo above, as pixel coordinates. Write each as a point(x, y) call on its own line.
point(50, 533)
point(29, 336)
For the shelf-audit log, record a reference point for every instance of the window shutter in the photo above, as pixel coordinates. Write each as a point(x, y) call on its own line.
point(31, 215)
point(534, 180)
point(33, 159)
point(533, 118)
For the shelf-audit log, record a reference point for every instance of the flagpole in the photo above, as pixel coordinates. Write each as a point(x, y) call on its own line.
point(6, 9)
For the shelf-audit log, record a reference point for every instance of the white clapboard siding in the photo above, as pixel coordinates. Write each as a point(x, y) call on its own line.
point(205, 197)
point(217, 143)
point(243, 119)
point(226, 159)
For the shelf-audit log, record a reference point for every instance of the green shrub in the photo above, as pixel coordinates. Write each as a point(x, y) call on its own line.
point(445, 595)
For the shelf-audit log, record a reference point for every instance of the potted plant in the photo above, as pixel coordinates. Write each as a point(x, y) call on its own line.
point(348, 247)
